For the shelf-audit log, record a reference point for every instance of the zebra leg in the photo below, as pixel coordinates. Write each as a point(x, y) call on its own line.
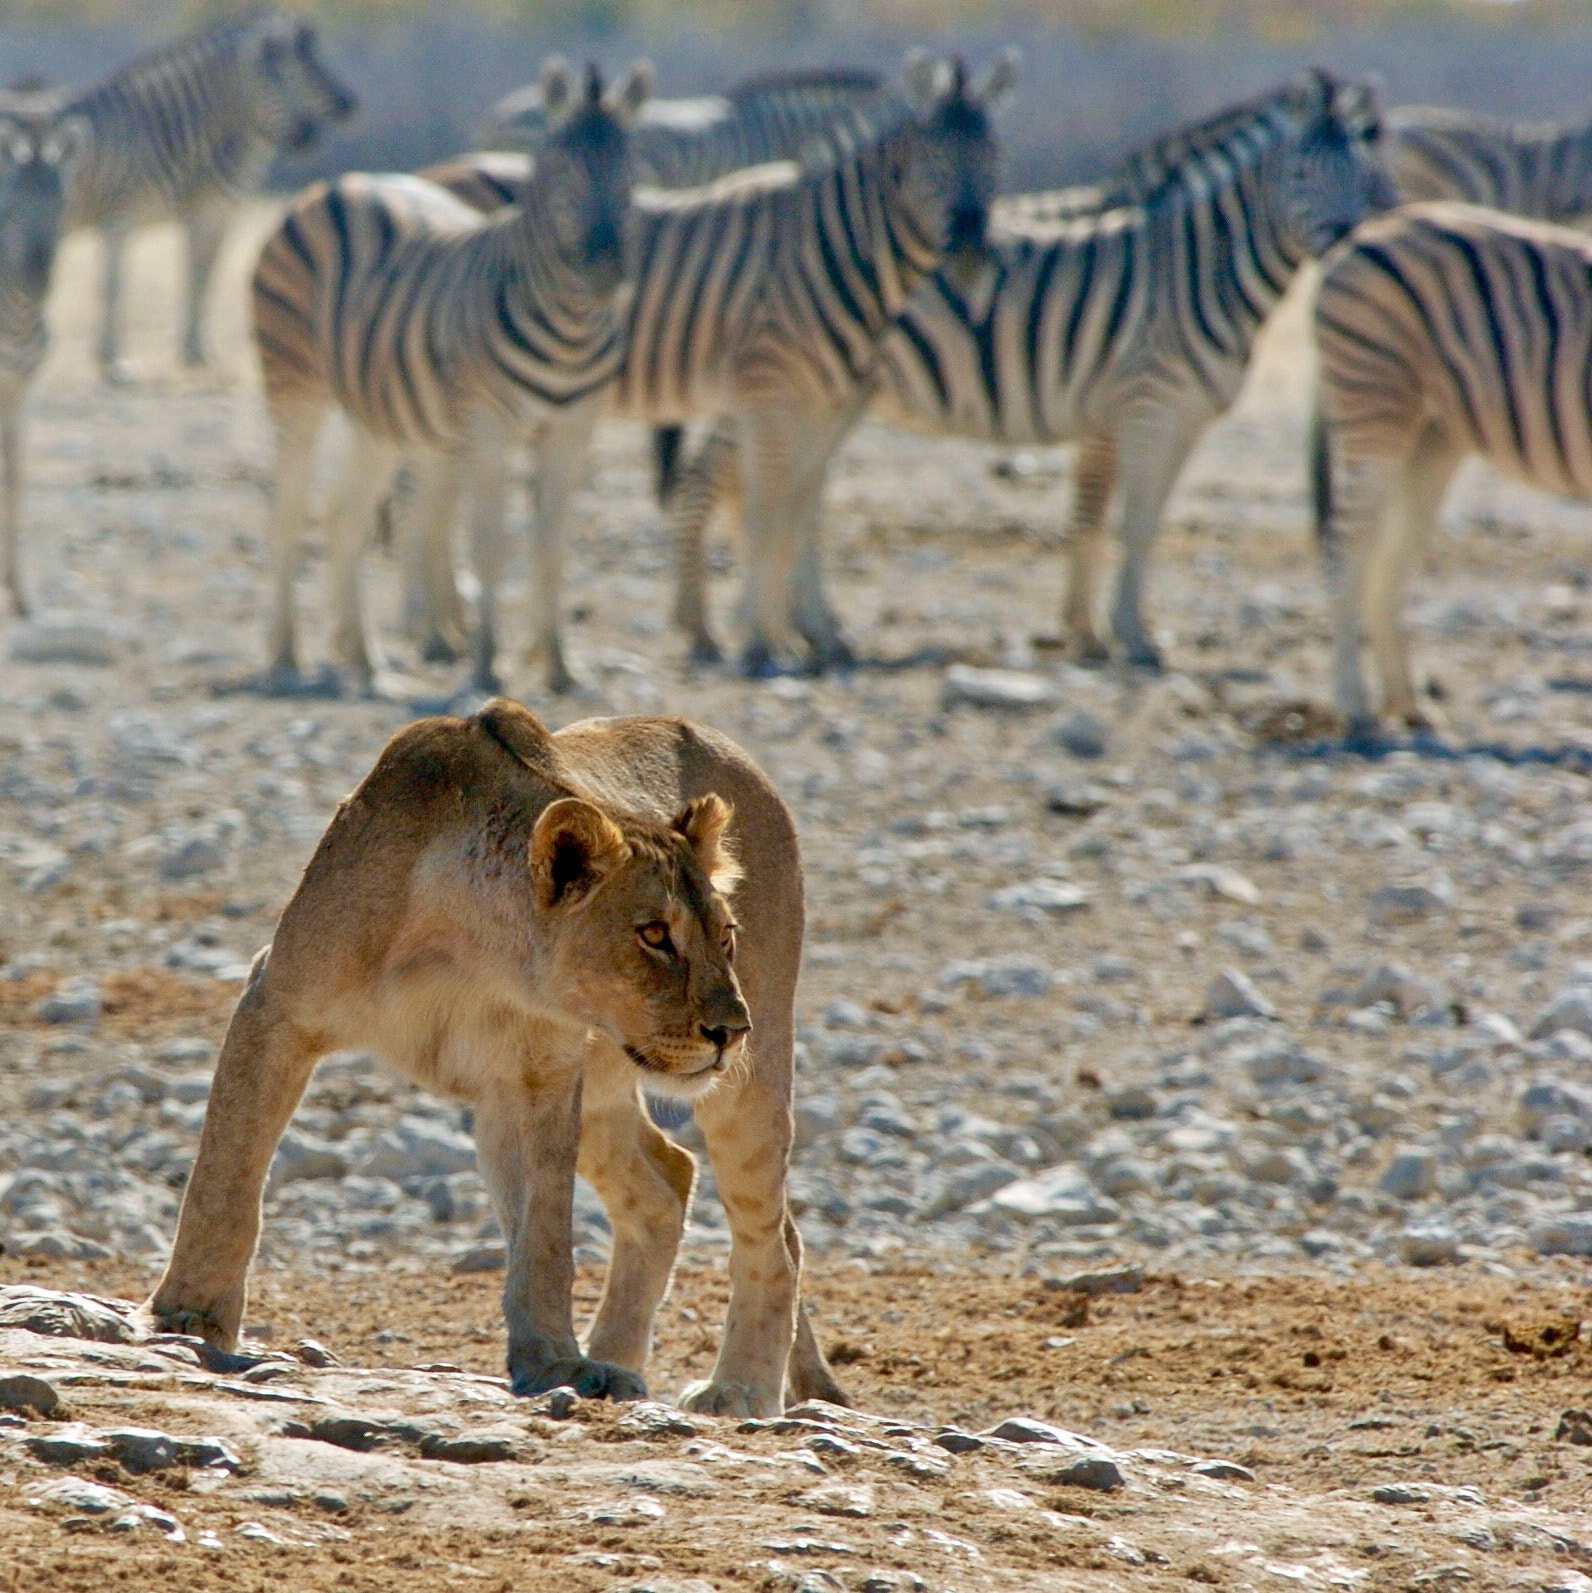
point(773, 452)
point(811, 612)
point(711, 478)
point(1411, 517)
point(645, 1181)
point(488, 486)
point(1354, 499)
point(350, 523)
point(562, 457)
point(297, 427)
point(11, 395)
point(1152, 450)
point(433, 614)
point(112, 362)
point(206, 229)
point(1096, 475)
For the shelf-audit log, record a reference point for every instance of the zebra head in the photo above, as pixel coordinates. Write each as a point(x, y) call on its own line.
point(294, 96)
point(584, 170)
point(1329, 174)
point(37, 153)
point(950, 159)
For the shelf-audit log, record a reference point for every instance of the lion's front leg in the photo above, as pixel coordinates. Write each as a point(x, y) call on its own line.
point(527, 1136)
point(264, 1066)
point(748, 1134)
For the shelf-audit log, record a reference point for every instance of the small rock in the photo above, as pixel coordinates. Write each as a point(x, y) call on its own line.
point(1409, 904)
point(301, 1155)
point(1570, 1009)
point(650, 1419)
point(1400, 1493)
point(1062, 1194)
point(68, 1316)
point(1429, 1245)
point(1082, 734)
point(1564, 1236)
point(1232, 994)
point(1575, 1427)
point(57, 1244)
point(1411, 1175)
point(79, 1496)
point(1092, 1472)
point(64, 642)
point(419, 1147)
point(1551, 1098)
point(967, 1185)
point(965, 686)
point(1015, 976)
point(313, 1353)
point(73, 1445)
point(21, 1392)
point(1042, 895)
point(559, 1403)
point(1224, 1471)
point(469, 1449)
point(1111, 1280)
point(837, 1499)
point(76, 1001)
point(1076, 801)
point(1221, 881)
point(480, 1258)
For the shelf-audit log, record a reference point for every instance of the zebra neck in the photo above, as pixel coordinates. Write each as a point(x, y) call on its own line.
point(877, 244)
point(1228, 235)
point(548, 292)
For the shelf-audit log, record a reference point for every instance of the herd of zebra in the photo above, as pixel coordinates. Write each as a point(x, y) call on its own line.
point(772, 263)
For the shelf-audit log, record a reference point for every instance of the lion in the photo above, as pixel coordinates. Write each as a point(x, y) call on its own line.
point(542, 925)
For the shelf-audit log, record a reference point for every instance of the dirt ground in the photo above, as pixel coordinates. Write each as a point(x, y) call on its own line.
point(1323, 1390)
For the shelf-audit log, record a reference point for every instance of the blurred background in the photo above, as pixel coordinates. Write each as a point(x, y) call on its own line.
point(1100, 75)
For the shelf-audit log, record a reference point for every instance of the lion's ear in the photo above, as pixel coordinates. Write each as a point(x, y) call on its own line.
point(704, 822)
point(574, 848)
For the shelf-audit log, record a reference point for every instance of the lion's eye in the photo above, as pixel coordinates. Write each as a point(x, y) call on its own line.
point(728, 944)
point(656, 936)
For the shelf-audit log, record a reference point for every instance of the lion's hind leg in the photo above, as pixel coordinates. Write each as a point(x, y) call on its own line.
point(265, 1063)
point(645, 1182)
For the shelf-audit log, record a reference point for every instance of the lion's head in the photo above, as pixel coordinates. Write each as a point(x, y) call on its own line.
point(641, 936)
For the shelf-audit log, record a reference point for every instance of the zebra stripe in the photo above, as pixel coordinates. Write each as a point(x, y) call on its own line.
point(688, 143)
point(432, 327)
point(1539, 169)
point(39, 146)
point(1444, 330)
point(1123, 318)
point(764, 296)
point(191, 131)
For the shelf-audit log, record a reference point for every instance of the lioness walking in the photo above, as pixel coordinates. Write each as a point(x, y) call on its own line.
point(542, 925)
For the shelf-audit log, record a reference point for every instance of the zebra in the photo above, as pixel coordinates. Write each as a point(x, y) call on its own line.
point(1443, 330)
point(1539, 169)
point(763, 297)
point(687, 143)
point(443, 335)
point(38, 150)
point(190, 130)
point(1122, 318)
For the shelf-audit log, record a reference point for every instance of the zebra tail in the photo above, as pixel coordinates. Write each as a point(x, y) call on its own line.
point(667, 442)
point(1320, 475)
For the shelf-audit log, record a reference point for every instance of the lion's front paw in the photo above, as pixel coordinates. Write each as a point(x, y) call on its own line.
point(730, 1399)
point(589, 1379)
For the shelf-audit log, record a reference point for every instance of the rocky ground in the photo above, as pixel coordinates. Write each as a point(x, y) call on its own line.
point(1101, 969)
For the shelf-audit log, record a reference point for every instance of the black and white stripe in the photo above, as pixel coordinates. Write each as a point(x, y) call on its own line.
point(190, 131)
point(441, 333)
point(686, 143)
point(1538, 169)
point(1121, 317)
point(1443, 330)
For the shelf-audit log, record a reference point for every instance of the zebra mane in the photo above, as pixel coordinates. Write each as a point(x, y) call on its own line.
point(209, 43)
point(836, 81)
point(1165, 161)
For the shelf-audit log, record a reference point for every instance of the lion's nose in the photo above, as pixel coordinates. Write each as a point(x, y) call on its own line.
point(725, 1034)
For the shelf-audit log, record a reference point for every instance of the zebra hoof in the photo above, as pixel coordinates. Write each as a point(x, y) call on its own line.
point(437, 649)
point(117, 373)
point(833, 656)
point(561, 683)
point(1146, 656)
point(706, 653)
point(1365, 736)
point(758, 662)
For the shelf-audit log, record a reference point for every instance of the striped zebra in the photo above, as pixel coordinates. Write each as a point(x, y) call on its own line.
point(190, 131)
point(1444, 330)
point(445, 336)
point(1123, 321)
point(763, 298)
point(687, 143)
point(1539, 169)
point(38, 149)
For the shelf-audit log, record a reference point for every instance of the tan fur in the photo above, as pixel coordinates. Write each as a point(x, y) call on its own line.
point(478, 912)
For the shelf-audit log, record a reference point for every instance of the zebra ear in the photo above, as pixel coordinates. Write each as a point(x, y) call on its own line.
point(999, 81)
point(631, 92)
point(927, 80)
point(558, 87)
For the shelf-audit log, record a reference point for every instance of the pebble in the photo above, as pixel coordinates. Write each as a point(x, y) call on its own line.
point(1411, 1175)
point(966, 686)
point(1083, 734)
point(1233, 994)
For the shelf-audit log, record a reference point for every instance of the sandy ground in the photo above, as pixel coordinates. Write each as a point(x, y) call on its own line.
point(145, 510)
